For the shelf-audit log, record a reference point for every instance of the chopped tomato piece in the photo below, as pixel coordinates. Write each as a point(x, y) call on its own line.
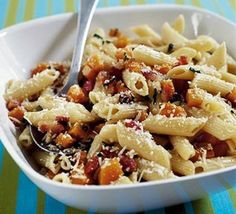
point(11, 104)
point(168, 90)
point(17, 113)
point(75, 94)
point(162, 69)
point(81, 181)
point(96, 65)
point(114, 32)
point(78, 131)
point(65, 140)
point(182, 61)
point(40, 67)
point(142, 115)
point(133, 65)
point(192, 99)
point(172, 110)
point(122, 41)
point(110, 172)
point(54, 128)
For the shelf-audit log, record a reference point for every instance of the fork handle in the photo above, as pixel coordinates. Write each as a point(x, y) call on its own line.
point(84, 19)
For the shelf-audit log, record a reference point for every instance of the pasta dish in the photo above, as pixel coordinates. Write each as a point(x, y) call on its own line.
point(147, 107)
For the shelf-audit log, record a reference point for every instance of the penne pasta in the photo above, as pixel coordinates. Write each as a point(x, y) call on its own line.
point(143, 145)
point(179, 126)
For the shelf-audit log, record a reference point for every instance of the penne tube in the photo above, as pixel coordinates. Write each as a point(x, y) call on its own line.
point(152, 171)
point(183, 147)
point(143, 144)
point(136, 82)
point(21, 90)
point(212, 84)
point(76, 111)
point(152, 57)
point(181, 166)
point(188, 72)
point(179, 126)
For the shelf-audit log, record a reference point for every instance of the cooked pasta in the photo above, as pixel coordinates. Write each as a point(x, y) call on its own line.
point(146, 108)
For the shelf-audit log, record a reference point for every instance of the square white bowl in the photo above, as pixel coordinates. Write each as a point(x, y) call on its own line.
point(51, 38)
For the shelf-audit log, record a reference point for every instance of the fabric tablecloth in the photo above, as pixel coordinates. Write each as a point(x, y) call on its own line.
point(17, 193)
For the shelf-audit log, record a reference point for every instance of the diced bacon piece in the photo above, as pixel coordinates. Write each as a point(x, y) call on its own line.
point(129, 165)
point(17, 113)
point(91, 166)
point(149, 74)
point(221, 149)
point(132, 124)
point(142, 115)
point(88, 86)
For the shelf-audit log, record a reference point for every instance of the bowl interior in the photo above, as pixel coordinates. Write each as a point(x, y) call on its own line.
point(52, 38)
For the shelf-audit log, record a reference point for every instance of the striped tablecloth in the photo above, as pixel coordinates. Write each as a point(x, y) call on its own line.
point(17, 193)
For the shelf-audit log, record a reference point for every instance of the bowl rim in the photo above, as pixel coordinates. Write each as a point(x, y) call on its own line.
point(37, 176)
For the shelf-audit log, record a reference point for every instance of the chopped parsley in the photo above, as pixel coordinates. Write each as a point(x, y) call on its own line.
point(170, 48)
point(97, 36)
point(194, 70)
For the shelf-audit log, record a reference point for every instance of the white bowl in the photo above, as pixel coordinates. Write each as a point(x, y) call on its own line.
point(24, 45)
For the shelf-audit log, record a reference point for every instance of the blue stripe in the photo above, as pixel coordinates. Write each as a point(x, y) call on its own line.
point(101, 4)
point(53, 206)
point(151, 1)
point(114, 3)
point(1, 157)
point(209, 6)
point(26, 196)
point(222, 203)
point(20, 11)
point(58, 6)
point(188, 208)
point(40, 8)
point(3, 8)
point(227, 10)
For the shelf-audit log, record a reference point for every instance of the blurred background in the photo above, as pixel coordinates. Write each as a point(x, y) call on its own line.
point(17, 193)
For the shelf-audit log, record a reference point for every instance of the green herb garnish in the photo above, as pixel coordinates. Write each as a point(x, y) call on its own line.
point(170, 48)
point(194, 70)
point(97, 36)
